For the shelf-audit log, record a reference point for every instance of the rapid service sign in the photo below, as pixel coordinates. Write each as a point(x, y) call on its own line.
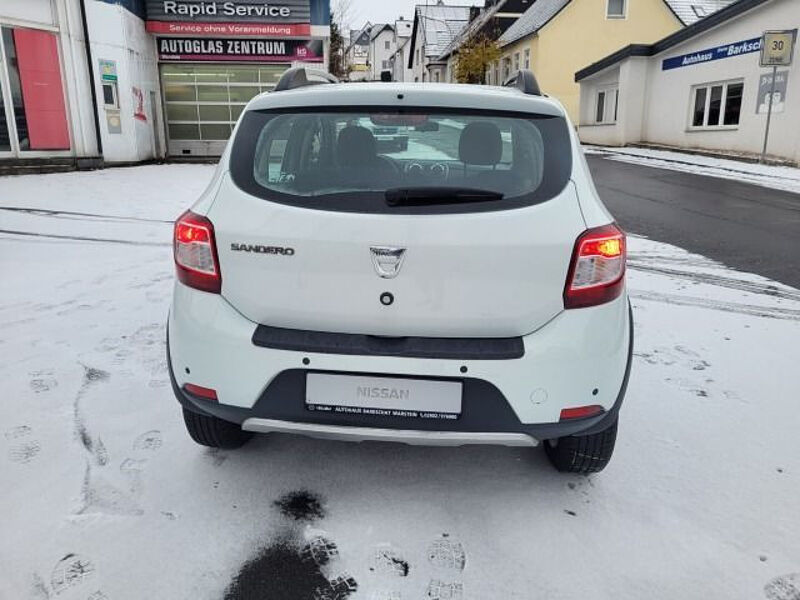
point(229, 17)
point(703, 56)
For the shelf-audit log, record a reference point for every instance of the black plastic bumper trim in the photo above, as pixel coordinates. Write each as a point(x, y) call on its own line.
point(484, 407)
point(322, 342)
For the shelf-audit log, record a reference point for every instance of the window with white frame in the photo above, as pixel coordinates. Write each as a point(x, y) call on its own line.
point(527, 58)
point(606, 106)
point(615, 9)
point(716, 104)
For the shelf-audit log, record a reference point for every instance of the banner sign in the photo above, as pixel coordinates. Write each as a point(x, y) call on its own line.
point(239, 50)
point(229, 11)
point(703, 56)
point(108, 70)
point(778, 95)
point(258, 29)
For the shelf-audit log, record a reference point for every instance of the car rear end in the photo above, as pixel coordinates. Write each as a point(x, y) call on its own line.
point(465, 287)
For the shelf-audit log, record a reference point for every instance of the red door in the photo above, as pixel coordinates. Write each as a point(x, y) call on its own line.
point(42, 91)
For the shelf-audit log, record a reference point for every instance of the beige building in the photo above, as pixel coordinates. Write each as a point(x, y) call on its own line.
point(556, 38)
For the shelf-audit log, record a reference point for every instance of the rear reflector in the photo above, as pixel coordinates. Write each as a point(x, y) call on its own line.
point(581, 412)
point(597, 271)
point(195, 253)
point(201, 392)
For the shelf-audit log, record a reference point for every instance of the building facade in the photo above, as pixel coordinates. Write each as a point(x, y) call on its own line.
point(553, 36)
point(435, 27)
point(381, 48)
point(701, 88)
point(118, 81)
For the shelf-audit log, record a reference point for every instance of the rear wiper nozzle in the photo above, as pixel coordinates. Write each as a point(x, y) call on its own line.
point(422, 196)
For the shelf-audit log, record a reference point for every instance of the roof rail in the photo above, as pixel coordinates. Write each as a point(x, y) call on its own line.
point(525, 81)
point(297, 77)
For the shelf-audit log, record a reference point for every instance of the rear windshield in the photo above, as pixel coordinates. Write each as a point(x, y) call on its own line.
point(432, 160)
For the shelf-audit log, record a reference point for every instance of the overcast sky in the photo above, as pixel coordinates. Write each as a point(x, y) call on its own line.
point(382, 11)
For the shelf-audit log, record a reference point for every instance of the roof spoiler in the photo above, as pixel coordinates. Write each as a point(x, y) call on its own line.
point(525, 81)
point(298, 77)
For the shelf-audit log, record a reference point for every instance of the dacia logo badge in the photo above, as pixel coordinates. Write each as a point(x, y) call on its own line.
point(387, 260)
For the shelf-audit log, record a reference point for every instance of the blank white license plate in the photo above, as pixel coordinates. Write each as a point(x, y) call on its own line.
point(383, 396)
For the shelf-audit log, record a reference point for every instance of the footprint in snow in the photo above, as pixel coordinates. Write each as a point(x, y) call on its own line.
point(446, 553)
point(785, 587)
point(24, 448)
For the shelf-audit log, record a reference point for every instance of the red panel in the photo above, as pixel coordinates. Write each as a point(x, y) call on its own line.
point(42, 91)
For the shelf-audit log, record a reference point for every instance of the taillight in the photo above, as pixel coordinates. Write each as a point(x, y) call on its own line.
point(201, 392)
point(195, 253)
point(597, 271)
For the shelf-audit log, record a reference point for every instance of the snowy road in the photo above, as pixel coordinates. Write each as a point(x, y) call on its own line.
point(105, 497)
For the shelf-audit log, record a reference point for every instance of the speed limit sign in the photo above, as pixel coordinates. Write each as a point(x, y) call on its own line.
point(777, 48)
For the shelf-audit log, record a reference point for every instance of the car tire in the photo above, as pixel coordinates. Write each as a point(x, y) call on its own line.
point(213, 432)
point(582, 453)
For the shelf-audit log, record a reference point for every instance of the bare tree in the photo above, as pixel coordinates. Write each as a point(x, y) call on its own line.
point(344, 14)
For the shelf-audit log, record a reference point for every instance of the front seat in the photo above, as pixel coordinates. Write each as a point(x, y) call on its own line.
point(481, 144)
point(356, 148)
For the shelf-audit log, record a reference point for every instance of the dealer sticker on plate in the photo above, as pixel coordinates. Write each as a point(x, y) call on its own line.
point(383, 396)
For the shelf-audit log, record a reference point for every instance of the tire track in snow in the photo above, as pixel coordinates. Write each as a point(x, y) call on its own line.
point(79, 238)
point(732, 283)
point(786, 314)
point(67, 214)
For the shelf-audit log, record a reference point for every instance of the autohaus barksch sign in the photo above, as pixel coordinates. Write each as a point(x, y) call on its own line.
point(702, 56)
point(229, 17)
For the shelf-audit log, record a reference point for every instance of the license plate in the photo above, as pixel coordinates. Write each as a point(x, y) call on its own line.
point(383, 396)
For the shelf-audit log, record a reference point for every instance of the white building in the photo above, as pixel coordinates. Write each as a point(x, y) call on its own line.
point(149, 83)
point(699, 88)
point(435, 27)
point(357, 53)
point(381, 49)
point(398, 61)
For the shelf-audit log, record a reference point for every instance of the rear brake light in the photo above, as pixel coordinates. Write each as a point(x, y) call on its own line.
point(581, 412)
point(201, 392)
point(195, 253)
point(597, 271)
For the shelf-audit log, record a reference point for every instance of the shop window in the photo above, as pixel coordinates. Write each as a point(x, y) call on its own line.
point(5, 137)
point(37, 93)
point(717, 105)
point(615, 9)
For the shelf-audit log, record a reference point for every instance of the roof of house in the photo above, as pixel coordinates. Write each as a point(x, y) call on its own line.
point(441, 23)
point(473, 26)
point(691, 11)
point(377, 28)
point(682, 35)
point(542, 12)
point(532, 20)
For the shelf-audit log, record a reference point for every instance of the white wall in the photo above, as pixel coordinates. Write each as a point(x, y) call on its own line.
point(379, 53)
point(655, 105)
point(117, 34)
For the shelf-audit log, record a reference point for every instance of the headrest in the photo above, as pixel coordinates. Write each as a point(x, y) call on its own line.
point(480, 144)
point(355, 146)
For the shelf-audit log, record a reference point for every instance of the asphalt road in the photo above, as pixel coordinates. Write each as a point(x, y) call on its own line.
point(744, 226)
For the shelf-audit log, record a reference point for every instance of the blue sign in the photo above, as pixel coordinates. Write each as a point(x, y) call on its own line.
point(702, 56)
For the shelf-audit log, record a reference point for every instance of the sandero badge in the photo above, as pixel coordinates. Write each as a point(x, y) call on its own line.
point(259, 249)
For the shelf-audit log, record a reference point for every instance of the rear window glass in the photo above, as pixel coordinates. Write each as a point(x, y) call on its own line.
point(354, 160)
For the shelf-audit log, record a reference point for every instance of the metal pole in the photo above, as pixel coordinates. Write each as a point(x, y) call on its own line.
point(769, 113)
point(90, 68)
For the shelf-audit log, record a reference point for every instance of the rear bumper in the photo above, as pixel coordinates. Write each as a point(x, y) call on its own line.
point(264, 389)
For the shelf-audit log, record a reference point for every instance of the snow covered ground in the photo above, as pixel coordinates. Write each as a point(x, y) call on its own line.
point(105, 497)
point(771, 176)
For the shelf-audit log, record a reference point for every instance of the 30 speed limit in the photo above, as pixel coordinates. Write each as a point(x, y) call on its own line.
point(777, 48)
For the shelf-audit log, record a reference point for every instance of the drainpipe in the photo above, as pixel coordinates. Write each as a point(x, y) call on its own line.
point(92, 89)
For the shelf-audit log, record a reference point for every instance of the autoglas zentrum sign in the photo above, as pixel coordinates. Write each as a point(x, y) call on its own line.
point(229, 17)
point(239, 50)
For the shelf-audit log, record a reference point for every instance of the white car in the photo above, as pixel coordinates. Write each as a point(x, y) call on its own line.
point(466, 289)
